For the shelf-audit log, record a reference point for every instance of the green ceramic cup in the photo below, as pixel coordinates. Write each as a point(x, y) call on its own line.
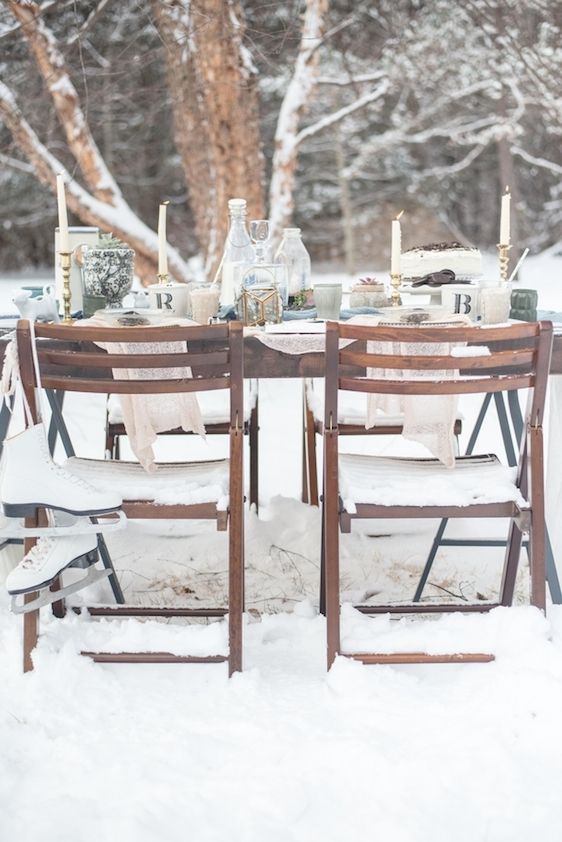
point(524, 305)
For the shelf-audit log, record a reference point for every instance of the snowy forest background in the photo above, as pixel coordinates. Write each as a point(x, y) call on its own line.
point(331, 115)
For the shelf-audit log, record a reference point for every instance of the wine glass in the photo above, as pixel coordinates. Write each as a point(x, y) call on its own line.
point(259, 234)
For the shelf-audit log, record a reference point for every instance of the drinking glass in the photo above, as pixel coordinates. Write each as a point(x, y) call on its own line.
point(204, 303)
point(327, 298)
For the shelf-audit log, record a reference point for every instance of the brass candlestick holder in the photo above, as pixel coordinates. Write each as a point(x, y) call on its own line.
point(65, 265)
point(503, 252)
point(163, 277)
point(395, 282)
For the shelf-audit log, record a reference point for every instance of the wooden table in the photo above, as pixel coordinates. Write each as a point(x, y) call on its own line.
point(263, 362)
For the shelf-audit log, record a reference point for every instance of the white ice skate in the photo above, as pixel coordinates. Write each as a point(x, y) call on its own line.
point(47, 560)
point(31, 480)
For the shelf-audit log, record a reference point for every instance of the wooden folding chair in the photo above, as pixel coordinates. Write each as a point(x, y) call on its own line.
point(518, 358)
point(71, 361)
point(352, 415)
point(216, 417)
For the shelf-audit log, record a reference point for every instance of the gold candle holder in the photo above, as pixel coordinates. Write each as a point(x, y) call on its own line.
point(503, 252)
point(395, 282)
point(65, 265)
point(163, 277)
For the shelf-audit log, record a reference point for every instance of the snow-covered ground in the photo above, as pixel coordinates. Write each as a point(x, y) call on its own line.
point(285, 751)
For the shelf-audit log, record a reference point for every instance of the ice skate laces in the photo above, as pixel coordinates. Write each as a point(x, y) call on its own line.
point(37, 554)
point(67, 475)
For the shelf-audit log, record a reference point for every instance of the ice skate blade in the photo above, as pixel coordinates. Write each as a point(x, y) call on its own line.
point(31, 509)
point(47, 597)
point(81, 526)
point(81, 561)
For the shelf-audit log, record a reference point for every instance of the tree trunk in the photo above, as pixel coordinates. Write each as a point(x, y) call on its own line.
point(297, 97)
point(215, 105)
point(345, 205)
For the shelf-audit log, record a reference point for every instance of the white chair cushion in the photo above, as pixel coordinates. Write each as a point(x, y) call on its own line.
point(387, 481)
point(352, 407)
point(214, 405)
point(184, 483)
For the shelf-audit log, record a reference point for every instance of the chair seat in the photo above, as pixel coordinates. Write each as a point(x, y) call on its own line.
point(352, 408)
point(387, 481)
point(175, 483)
point(215, 407)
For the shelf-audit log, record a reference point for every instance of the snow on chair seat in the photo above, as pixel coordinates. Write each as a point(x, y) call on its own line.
point(214, 406)
point(388, 481)
point(352, 407)
point(179, 483)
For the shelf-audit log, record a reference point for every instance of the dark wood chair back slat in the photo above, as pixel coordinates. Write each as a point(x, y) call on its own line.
point(426, 333)
point(96, 360)
point(472, 385)
point(520, 359)
point(138, 333)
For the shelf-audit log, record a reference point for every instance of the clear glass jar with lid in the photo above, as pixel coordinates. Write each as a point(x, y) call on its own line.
point(292, 252)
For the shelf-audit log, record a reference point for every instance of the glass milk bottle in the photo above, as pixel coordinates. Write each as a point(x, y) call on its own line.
point(292, 252)
point(238, 252)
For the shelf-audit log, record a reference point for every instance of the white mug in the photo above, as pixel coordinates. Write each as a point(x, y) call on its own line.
point(461, 299)
point(171, 298)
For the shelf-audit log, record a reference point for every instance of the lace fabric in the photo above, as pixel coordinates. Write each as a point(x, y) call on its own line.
point(144, 416)
point(428, 419)
point(293, 343)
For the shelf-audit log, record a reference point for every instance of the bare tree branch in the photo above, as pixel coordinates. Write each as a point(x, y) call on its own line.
point(118, 218)
point(537, 162)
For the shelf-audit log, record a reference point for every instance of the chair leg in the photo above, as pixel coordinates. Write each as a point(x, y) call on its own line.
point(253, 434)
point(311, 458)
point(305, 494)
point(511, 563)
point(430, 559)
point(108, 564)
point(235, 555)
point(30, 620)
point(330, 526)
point(59, 607)
point(537, 531)
point(322, 600)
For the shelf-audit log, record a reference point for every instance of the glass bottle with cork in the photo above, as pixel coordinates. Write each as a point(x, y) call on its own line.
point(238, 252)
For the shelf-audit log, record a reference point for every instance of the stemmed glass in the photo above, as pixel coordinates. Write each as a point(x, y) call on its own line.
point(259, 234)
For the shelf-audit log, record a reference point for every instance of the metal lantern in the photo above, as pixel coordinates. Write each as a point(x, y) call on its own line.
point(260, 305)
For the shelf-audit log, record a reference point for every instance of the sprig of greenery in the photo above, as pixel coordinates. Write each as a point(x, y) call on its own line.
point(108, 241)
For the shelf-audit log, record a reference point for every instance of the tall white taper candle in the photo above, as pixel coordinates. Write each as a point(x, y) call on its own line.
point(64, 244)
point(505, 218)
point(162, 251)
point(395, 245)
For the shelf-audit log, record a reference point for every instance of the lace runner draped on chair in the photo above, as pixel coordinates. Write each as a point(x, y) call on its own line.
point(427, 419)
point(147, 415)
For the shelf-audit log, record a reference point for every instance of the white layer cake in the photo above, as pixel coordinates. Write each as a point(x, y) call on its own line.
point(465, 262)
